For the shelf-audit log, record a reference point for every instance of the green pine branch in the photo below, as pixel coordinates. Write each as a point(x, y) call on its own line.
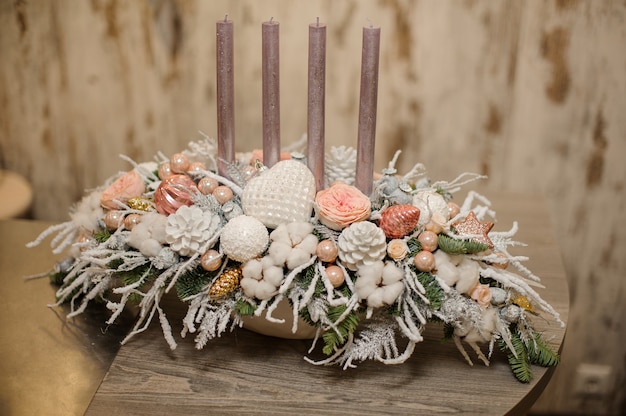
point(453, 246)
point(333, 339)
point(244, 308)
point(540, 353)
point(192, 282)
point(520, 365)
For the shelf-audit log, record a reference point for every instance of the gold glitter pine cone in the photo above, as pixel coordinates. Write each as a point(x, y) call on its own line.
point(227, 283)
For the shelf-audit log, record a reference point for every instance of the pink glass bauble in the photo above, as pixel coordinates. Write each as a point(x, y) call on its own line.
point(207, 185)
point(113, 219)
point(428, 240)
point(211, 260)
point(223, 194)
point(335, 275)
point(165, 171)
point(179, 163)
point(424, 261)
point(173, 193)
point(326, 251)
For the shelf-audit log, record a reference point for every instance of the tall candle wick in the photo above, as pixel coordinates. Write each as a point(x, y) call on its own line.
point(226, 18)
point(318, 21)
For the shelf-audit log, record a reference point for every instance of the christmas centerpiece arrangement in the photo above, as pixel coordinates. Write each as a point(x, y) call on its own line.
point(366, 267)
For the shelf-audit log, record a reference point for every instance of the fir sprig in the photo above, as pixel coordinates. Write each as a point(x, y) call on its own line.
point(244, 308)
point(453, 246)
point(434, 292)
point(335, 338)
point(537, 351)
point(192, 282)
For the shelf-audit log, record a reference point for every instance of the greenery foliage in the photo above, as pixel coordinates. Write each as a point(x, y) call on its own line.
point(453, 246)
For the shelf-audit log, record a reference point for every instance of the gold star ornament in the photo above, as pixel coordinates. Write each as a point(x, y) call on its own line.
point(474, 229)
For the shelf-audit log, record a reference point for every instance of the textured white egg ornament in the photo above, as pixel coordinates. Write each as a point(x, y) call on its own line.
point(282, 194)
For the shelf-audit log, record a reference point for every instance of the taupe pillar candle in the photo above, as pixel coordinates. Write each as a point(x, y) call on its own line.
point(271, 93)
point(367, 110)
point(316, 101)
point(225, 96)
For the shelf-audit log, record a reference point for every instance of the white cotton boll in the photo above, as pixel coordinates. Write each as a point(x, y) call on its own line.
point(139, 233)
point(298, 231)
point(375, 299)
point(279, 252)
point(273, 275)
point(264, 290)
point(469, 274)
point(373, 272)
point(391, 292)
point(268, 262)
point(253, 269)
point(87, 212)
point(156, 223)
point(248, 285)
point(446, 271)
point(392, 274)
point(364, 287)
point(297, 257)
point(150, 247)
point(280, 234)
point(309, 244)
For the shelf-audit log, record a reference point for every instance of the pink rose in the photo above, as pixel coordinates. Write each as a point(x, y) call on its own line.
point(341, 205)
point(126, 186)
point(481, 294)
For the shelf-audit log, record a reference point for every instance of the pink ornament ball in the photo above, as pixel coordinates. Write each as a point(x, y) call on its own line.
point(179, 163)
point(113, 219)
point(424, 261)
point(429, 240)
point(335, 275)
point(165, 171)
point(223, 194)
point(207, 185)
point(173, 193)
point(211, 260)
point(326, 251)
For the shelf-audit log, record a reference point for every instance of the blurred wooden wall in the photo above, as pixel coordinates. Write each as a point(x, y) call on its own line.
point(532, 94)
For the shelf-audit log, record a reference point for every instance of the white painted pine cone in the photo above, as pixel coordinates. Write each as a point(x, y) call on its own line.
point(361, 244)
point(340, 165)
point(189, 228)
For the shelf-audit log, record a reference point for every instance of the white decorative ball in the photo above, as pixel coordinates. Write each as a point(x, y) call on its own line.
point(244, 238)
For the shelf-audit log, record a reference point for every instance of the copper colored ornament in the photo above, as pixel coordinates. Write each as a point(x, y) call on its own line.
point(326, 251)
point(113, 219)
point(424, 261)
point(173, 193)
point(501, 265)
point(211, 260)
point(335, 275)
point(429, 240)
point(399, 220)
point(140, 204)
point(227, 283)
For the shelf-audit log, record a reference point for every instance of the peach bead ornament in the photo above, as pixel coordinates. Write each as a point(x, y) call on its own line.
point(179, 163)
point(326, 251)
point(335, 275)
point(428, 240)
point(424, 261)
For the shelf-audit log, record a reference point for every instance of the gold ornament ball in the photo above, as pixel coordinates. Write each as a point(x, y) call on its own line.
point(211, 260)
point(335, 275)
point(428, 240)
point(424, 261)
point(327, 251)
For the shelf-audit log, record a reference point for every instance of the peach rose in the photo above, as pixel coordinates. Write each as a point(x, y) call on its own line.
point(481, 294)
point(397, 249)
point(126, 186)
point(341, 205)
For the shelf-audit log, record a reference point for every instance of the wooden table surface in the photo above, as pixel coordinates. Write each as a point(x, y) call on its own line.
point(247, 373)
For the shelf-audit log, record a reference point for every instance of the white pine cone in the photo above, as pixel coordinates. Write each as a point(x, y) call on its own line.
point(340, 165)
point(361, 244)
point(189, 228)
